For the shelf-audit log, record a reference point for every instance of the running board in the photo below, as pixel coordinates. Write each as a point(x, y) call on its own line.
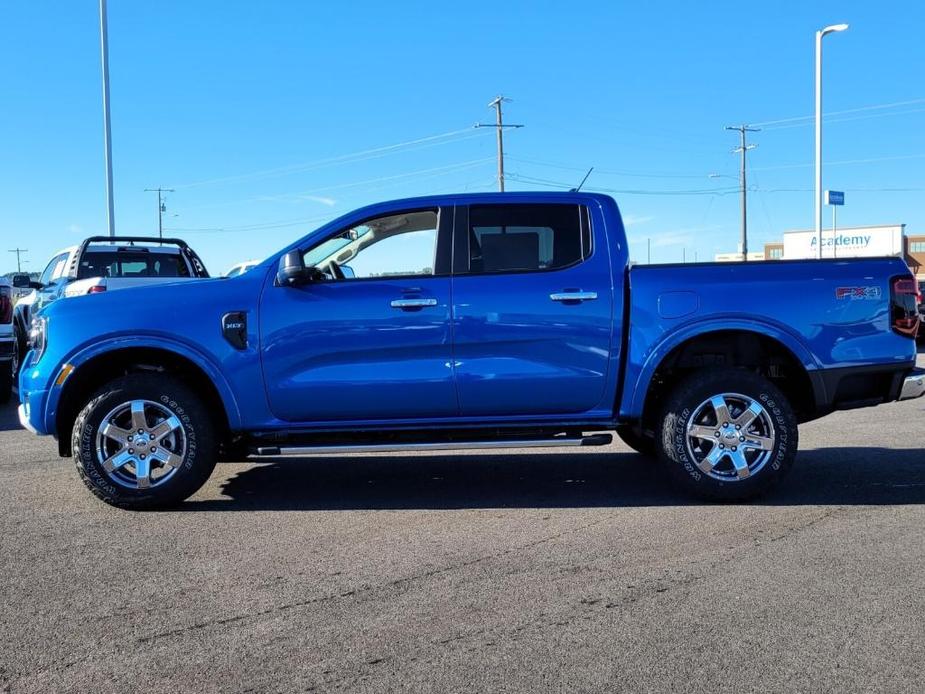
point(390, 447)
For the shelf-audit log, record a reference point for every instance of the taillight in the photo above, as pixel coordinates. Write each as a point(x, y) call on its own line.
point(904, 311)
point(6, 305)
point(97, 289)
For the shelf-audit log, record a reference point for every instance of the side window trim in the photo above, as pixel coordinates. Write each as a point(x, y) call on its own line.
point(461, 249)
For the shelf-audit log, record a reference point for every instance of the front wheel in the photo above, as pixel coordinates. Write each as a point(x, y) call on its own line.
point(144, 441)
point(727, 434)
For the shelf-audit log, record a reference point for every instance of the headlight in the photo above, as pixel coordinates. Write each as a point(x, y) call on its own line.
point(38, 337)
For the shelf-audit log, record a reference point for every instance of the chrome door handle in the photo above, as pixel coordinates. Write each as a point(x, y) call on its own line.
point(412, 303)
point(573, 296)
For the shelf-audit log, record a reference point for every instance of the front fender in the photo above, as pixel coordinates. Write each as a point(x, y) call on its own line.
point(196, 356)
point(641, 370)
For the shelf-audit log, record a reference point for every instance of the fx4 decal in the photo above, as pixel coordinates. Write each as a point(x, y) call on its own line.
point(854, 293)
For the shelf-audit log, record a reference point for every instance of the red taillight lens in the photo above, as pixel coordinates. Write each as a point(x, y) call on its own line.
point(96, 289)
point(904, 306)
point(6, 305)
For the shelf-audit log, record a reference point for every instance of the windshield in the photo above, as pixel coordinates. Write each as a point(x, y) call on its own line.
point(131, 264)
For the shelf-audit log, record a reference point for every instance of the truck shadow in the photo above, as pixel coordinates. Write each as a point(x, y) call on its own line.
point(828, 476)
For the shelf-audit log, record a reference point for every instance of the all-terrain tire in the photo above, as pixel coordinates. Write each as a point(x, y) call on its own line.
point(687, 458)
point(164, 393)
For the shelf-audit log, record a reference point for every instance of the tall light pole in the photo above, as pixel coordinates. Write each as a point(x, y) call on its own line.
point(107, 135)
point(819, 36)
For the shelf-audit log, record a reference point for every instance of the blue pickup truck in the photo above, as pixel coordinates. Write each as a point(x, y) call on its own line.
point(468, 321)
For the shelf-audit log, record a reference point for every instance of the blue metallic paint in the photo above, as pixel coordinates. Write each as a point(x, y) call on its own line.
point(336, 351)
point(793, 302)
point(578, 353)
point(518, 352)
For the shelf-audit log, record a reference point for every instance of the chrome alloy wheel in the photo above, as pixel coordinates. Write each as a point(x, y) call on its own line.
point(141, 444)
point(730, 437)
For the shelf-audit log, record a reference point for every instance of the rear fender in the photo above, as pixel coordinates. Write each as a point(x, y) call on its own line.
point(639, 377)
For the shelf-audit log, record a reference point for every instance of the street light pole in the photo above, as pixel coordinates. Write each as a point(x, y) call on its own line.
point(819, 36)
point(107, 135)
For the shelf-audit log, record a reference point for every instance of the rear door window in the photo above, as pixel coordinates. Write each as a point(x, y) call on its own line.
point(526, 238)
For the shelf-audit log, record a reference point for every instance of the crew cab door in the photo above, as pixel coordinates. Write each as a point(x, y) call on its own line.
point(533, 310)
point(369, 339)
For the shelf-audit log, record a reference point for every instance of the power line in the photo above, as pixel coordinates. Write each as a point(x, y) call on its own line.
point(874, 107)
point(499, 127)
point(430, 172)
point(613, 172)
point(841, 162)
point(362, 155)
point(560, 184)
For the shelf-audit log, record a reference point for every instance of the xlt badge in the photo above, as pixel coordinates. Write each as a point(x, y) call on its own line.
point(234, 328)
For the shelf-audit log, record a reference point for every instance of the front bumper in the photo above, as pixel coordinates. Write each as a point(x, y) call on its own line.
point(24, 419)
point(913, 385)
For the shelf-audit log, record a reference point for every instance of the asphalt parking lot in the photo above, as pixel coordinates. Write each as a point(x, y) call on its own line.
point(520, 571)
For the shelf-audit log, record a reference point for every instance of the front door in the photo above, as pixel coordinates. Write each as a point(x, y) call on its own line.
point(369, 339)
point(533, 323)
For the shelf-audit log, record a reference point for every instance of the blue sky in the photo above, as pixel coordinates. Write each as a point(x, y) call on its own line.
point(255, 113)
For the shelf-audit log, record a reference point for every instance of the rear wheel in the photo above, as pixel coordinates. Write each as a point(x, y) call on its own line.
point(727, 434)
point(144, 441)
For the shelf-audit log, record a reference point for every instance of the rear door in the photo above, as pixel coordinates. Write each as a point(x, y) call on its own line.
point(533, 309)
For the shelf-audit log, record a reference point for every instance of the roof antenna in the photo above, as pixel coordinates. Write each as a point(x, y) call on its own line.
point(575, 190)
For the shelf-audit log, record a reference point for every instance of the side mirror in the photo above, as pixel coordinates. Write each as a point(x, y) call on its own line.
point(21, 280)
point(36, 285)
point(292, 271)
point(348, 272)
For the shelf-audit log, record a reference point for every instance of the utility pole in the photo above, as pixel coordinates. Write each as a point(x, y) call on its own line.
point(107, 133)
point(18, 252)
point(743, 149)
point(499, 126)
point(649, 251)
point(161, 208)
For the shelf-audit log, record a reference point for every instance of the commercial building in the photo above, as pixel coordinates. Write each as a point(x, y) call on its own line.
point(852, 242)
